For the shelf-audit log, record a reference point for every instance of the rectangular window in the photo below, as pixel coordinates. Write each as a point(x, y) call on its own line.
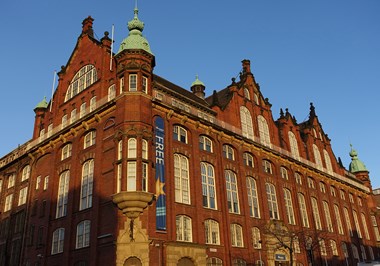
point(8, 203)
point(145, 84)
point(132, 82)
point(121, 84)
point(46, 182)
point(11, 180)
point(22, 196)
point(131, 176)
point(50, 130)
point(42, 134)
point(38, 182)
point(1, 185)
point(144, 181)
point(119, 177)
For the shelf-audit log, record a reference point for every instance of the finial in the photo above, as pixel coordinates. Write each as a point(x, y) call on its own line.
point(281, 113)
point(312, 109)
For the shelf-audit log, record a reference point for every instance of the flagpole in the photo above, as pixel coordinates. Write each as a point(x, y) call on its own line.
point(52, 91)
point(112, 32)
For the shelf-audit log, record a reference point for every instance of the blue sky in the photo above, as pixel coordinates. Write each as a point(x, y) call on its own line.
point(326, 52)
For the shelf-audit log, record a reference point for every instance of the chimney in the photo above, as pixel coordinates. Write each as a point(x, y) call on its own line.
point(246, 66)
point(87, 26)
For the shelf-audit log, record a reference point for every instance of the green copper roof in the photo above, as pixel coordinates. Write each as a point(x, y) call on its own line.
point(197, 82)
point(135, 39)
point(42, 104)
point(356, 165)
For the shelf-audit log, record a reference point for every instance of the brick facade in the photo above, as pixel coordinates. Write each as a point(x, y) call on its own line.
point(115, 133)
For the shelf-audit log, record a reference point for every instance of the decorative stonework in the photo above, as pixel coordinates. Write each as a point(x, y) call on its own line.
point(174, 252)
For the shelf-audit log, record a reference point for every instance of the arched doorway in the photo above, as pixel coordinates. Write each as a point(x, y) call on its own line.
point(132, 261)
point(185, 262)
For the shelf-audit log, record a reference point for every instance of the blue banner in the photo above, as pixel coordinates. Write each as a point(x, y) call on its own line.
point(160, 173)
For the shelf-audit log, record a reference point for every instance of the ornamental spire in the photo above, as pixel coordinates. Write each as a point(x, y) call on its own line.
point(135, 39)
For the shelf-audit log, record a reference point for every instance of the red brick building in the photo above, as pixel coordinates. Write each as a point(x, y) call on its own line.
point(127, 168)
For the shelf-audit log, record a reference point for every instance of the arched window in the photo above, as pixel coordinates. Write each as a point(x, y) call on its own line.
point(89, 139)
point(132, 261)
point(284, 173)
point(317, 156)
point(348, 221)
point(375, 227)
point(263, 131)
point(73, 115)
point(253, 202)
point(298, 178)
point(303, 210)
point(236, 235)
point(132, 148)
point(289, 206)
point(82, 110)
point(228, 152)
point(208, 185)
point(58, 241)
point(181, 179)
point(334, 248)
point(63, 193)
point(205, 144)
point(322, 187)
point(87, 185)
point(232, 192)
point(93, 103)
point(246, 122)
point(272, 201)
point(66, 151)
point(357, 225)
point(344, 249)
point(111, 92)
point(267, 167)
point(184, 228)
point(322, 246)
point(83, 234)
point(248, 159)
point(338, 219)
point(364, 222)
point(293, 144)
point(327, 160)
point(212, 232)
point(317, 218)
point(247, 94)
point(144, 149)
point(256, 238)
point(355, 252)
point(180, 134)
point(213, 261)
point(326, 209)
point(84, 78)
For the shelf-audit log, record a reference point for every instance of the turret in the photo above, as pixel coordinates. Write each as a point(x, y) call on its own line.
point(40, 111)
point(198, 88)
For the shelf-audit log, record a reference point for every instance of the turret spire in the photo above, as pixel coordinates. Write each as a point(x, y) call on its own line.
point(135, 39)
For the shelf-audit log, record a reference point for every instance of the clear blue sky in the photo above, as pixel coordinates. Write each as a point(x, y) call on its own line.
point(326, 52)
